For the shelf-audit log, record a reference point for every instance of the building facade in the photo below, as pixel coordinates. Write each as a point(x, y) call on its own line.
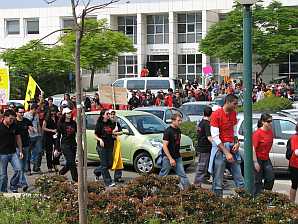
point(165, 33)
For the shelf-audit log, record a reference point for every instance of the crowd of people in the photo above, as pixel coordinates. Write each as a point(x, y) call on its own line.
point(46, 128)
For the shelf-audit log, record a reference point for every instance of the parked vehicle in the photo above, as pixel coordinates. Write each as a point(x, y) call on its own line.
point(293, 113)
point(141, 141)
point(164, 113)
point(283, 127)
point(155, 84)
point(195, 110)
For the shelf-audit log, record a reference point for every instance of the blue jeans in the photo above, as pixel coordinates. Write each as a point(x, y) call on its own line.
point(36, 151)
point(24, 166)
point(13, 159)
point(219, 167)
point(179, 169)
point(106, 163)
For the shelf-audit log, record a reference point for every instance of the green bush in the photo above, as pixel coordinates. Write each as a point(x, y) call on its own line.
point(33, 210)
point(271, 104)
point(190, 129)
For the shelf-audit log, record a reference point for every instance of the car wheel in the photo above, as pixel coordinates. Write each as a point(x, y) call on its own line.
point(143, 163)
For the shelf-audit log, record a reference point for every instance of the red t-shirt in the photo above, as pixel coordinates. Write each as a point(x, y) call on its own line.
point(169, 101)
point(225, 122)
point(262, 142)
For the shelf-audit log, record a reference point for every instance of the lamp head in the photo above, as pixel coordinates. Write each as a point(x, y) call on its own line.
point(247, 2)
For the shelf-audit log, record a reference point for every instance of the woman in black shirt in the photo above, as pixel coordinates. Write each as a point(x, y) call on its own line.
point(66, 142)
point(104, 131)
point(49, 127)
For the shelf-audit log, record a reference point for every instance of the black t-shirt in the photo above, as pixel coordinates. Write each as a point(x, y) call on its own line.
point(66, 131)
point(203, 132)
point(104, 130)
point(173, 136)
point(22, 127)
point(8, 139)
point(51, 124)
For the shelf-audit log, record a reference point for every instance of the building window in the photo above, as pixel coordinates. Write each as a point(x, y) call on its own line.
point(128, 26)
point(189, 66)
point(32, 26)
point(12, 26)
point(127, 66)
point(67, 23)
point(289, 65)
point(190, 27)
point(157, 29)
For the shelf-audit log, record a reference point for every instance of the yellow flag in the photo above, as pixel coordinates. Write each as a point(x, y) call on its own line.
point(30, 92)
point(4, 86)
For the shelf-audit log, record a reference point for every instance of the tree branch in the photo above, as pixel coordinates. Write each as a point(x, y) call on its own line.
point(101, 6)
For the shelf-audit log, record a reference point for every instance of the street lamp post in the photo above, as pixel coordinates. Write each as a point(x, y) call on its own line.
point(247, 73)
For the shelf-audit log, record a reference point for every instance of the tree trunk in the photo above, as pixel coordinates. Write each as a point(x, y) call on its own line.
point(91, 79)
point(81, 182)
point(260, 73)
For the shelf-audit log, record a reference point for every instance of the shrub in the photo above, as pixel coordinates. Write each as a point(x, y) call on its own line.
point(190, 129)
point(271, 104)
point(34, 209)
point(157, 200)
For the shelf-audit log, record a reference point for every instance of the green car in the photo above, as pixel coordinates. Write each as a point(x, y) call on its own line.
point(141, 141)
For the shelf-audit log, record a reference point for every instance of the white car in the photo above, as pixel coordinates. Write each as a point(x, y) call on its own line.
point(195, 110)
point(283, 127)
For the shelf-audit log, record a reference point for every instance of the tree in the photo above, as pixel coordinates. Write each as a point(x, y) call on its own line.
point(275, 35)
point(99, 47)
point(42, 62)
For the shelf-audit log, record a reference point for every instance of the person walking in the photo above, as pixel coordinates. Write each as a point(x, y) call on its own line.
point(23, 125)
point(10, 137)
point(117, 132)
point(35, 139)
point(262, 144)
point(171, 151)
point(66, 143)
point(105, 144)
point(204, 147)
point(292, 156)
point(49, 127)
point(225, 145)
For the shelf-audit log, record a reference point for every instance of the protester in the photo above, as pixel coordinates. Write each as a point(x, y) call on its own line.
point(51, 106)
point(177, 100)
point(116, 133)
point(105, 144)
point(23, 125)
point(35, 139)
point(169, 99)
point(292, 148)
point(262, 144)
point(225, 145)
point(10, 137)
point(171, 151)
point(204, 147)
point(144, 72)
point(134, 101)
point(66, 143)
point(50, 134)
point(189, 97)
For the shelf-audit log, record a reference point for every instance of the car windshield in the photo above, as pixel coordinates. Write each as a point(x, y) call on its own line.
point(194, 109)
point(147, 124)
point(157, 113)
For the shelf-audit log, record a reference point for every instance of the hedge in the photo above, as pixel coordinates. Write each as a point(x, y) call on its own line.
point(190, 129)
point(270, 104)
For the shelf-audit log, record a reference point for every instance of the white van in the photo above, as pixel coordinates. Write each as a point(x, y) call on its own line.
point(153, 83)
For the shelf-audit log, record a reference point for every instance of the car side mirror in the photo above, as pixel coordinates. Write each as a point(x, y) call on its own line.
point(125, 132)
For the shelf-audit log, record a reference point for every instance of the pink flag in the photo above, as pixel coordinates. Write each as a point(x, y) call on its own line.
point(207, 70)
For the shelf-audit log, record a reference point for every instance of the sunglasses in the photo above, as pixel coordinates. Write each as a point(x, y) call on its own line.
point(269, 121)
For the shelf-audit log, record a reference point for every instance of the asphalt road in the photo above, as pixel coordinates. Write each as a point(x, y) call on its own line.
point(282, 183)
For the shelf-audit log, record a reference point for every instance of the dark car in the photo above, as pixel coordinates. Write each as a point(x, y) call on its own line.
point(164, 113)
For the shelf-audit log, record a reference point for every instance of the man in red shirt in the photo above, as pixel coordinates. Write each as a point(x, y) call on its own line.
point(225, 145)
point(169, 98)
point(144, 72)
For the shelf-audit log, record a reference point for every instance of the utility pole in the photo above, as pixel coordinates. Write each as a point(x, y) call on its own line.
point(247, 73)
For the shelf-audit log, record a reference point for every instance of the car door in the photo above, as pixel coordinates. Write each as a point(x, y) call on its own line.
point(127, 142)
point(283, 129)
point(91, 141)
